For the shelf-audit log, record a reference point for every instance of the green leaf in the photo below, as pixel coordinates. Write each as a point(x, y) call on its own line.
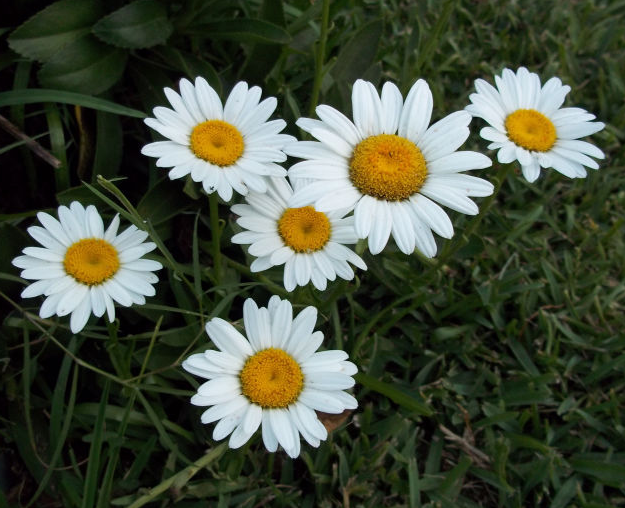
point(190, 65)
point(359, 53)
point(108, 146)
point(396, 395)
point(606, 472)
point(85, 66)
point(50, 29)
point(262, 57)
point(140, 24)
point(36, 95)
point(242, 30)
point(160, 204)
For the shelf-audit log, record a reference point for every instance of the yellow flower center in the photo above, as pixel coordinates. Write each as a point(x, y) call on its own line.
point(531, 129)
point(91, 261)
point(217, 142)
point(387, 167)
point(271, 378)
point(304, 229)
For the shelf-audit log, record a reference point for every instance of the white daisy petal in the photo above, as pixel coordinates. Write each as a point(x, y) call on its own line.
point(42, 236)
point(417, 112)
point(581, 147)
point(227, 338)
point(339, 123)
point(36, 288)
point(451, 198)
point(392, 104)
point(531, 171)
point(208, 100)
point(189, 97)
point(43, 254)
point(80, 315)
point(574, 131)
point(381, 227)
point(218, 411)
point(301, 428)
point(269, 437)
point(55, 228)
point(402, 229)
point(432, 215)
point(227, 424)
point(321, 401)
point(363, 110)
point(182, 113)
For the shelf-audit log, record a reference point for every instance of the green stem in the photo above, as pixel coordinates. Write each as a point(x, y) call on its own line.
point(181, 478)
point(320, 57)
point(245, 270)
point(213, 205)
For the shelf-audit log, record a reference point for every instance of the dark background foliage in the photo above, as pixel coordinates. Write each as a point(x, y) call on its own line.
point(489, 376)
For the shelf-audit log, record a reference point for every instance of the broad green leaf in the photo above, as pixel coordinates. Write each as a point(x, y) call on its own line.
point(140, 24)
point(403, 399)
point(50, 29)
point(359, 53)
point(243, 30)
point(85, 66)
point(609, 473)
point(190, 65)
point(108, 145)
point(263, 57)
point(36, 95)
point(160, 203)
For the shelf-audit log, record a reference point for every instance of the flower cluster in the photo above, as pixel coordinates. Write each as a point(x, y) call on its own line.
point(386, 172)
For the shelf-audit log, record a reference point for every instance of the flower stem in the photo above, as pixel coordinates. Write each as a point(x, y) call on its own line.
point(320, 56)
point(215, 235)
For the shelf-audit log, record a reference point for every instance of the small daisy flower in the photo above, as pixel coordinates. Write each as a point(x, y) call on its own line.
point(389, 166)
point(528, 124)
point(225, 147)
point(274, 378)
point(82, 268)
point(309, 243)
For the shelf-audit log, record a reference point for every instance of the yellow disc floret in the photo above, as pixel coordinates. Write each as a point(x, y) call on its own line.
point(91, 261)
point(271, 378)
point(387, 167)
point(217, 142)
point(531, 129)
point(304, 229)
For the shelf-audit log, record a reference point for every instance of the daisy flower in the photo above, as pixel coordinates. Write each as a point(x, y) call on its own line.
point(389, 166)
point(225, 147)
point(309, 243)
point(274, 378)
point(82, 268)
point(528, 124)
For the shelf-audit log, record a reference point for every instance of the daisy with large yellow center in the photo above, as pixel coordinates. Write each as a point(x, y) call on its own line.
point(272, 378)
point(230, 147)
point(528, 124)
point(83, 269)
point(309, 243)
point(389, 166)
